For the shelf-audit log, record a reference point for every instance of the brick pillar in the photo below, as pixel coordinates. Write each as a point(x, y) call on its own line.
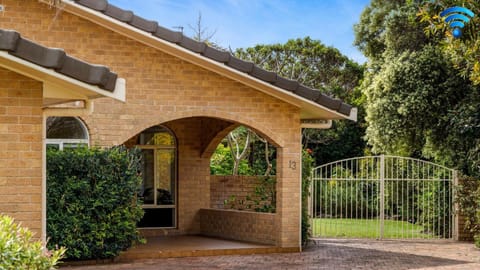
point(289, 194)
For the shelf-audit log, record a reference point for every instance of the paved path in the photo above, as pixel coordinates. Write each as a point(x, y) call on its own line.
point(330, 254)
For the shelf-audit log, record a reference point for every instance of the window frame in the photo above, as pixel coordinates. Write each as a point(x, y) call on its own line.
point(61, 142)
point(155, 148)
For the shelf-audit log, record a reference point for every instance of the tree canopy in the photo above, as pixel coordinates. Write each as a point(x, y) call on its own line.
point(417, 104)
point(309, 62)
point(464, 52)
point(321, 67)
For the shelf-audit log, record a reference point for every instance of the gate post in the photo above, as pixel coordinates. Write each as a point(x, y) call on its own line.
point(382, 195)
point(311, 207)
point(455, 225)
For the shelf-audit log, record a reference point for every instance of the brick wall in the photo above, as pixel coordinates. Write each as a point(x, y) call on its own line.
point(163, 89)
point(463, 234)
point(239, 225)
point(21, 149)
point(223, 187)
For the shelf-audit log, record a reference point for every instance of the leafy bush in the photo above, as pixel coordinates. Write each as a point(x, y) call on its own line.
point(307, 166)
point(264, 197)
point(18, 251)
point(92, 203)
point(435, 209)
point(476, 240)
point(468, 199)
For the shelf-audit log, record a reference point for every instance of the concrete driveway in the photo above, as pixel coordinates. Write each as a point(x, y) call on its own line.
point(331, 254)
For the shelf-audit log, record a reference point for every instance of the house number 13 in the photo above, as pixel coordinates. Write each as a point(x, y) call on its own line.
point(292, 164)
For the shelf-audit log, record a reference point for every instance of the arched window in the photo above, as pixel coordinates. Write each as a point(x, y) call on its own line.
point(159, 171)
point(66, 132)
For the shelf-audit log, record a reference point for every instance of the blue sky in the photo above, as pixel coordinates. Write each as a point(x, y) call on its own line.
point(245, 23)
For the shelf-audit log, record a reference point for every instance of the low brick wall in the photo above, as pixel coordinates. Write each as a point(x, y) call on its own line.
point(239, 225)
point(463, 233)
point(222, 187)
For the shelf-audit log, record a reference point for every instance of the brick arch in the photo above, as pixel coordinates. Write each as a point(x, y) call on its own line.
point(236, 120)
point(209, 149)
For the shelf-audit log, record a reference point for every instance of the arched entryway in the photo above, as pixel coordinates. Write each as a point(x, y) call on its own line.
point(176, 174)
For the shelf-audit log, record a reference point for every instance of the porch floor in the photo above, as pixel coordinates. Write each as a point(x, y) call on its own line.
point(193, 246)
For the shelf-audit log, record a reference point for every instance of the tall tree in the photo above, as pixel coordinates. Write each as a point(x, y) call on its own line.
point(416, 101)
point(464, 51)
point(200, 31)
point(315, 65)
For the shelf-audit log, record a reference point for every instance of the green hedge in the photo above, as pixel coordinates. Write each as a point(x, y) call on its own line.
point(92, 207)
point(307, 165)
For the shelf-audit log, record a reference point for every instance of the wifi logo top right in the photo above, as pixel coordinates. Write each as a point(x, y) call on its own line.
point(457, 17)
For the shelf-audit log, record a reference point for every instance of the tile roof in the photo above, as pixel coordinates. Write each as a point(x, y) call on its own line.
point(226, 58)
point(58, 60)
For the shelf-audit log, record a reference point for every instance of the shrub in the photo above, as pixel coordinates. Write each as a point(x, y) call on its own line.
point(18, 251)
point(468, 199)
point(92, 204)
point(264, 197)
point(307, 166)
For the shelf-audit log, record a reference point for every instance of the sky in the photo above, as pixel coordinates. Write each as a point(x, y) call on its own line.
point(246, 23)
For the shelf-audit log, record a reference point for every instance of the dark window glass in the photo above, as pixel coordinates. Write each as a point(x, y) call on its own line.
point(158, 217)
point(65, 128)
point(148, 184)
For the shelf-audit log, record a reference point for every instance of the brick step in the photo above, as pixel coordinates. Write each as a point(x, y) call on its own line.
point(157, 254)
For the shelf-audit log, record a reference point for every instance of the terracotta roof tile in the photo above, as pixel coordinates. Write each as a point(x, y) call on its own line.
point(192, 45)
point(216, 55)
point(57, 59)
point(264, 75)
point(115, 12)
point(290, 85)
point(37, 54)
point(168, 35)
point(142, 24)
point(239, 64)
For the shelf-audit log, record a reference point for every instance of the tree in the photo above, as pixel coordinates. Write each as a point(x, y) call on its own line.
point(309, 62)
point(416, 102)
point(320, 67)
point(238, 149)
point(243, 152)
point(200, 32)
point(465, 51)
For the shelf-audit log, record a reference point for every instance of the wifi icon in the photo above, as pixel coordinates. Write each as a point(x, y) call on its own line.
point(457, 17)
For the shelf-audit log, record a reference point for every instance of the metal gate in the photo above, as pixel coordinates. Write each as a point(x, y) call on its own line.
point(382, 197)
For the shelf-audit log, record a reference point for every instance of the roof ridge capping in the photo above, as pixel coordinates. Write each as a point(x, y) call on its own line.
point(53, 58)
point(217, 55)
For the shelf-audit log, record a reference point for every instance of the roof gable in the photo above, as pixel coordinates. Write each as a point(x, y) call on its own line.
point(313, 103)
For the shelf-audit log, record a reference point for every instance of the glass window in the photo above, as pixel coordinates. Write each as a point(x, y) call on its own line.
point(65, 132)
point(65, 128)
point(156, 136)
point(159, 172)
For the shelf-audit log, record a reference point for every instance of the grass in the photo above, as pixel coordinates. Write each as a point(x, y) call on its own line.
point(367, 228)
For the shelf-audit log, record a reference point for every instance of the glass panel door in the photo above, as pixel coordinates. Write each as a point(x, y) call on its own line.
point(165, 175)
point(147, 192)
point(159, 171)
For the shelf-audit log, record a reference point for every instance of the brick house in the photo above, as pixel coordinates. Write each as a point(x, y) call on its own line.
point(122, 79)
